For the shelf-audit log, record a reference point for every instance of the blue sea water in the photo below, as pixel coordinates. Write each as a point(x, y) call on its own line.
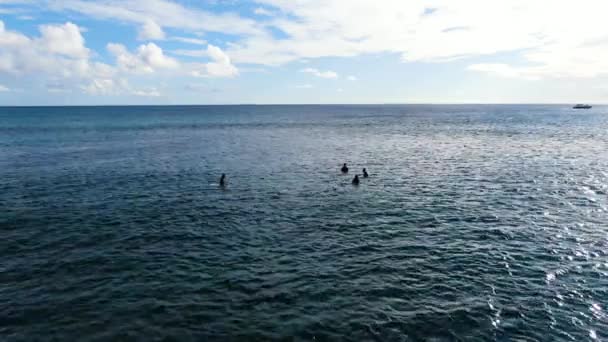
point(483, 223)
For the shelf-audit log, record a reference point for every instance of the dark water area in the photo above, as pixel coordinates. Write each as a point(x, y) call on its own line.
point(484, 223)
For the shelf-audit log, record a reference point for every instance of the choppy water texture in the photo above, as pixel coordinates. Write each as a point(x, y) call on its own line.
point(478, 223)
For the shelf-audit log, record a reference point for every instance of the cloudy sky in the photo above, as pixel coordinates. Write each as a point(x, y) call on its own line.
point(302, 51)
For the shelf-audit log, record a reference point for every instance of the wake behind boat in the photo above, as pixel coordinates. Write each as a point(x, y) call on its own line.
point(582, 106)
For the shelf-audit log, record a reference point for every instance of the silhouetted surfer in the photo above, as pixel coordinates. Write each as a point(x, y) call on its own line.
point(356, 180)
point(365, 175)
point(223, 180)
point(344, 168)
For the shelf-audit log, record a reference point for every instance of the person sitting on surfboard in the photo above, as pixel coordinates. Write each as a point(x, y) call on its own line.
point(344, 168)
point(356, 180)
point(223, 180)
point(365, 175)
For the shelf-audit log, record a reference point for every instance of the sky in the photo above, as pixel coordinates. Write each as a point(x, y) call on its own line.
point(80, 52)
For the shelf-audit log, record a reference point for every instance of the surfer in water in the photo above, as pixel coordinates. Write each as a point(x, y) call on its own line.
point(365, 175)
point(356, 180)
point(223, 180)
point(344, 168)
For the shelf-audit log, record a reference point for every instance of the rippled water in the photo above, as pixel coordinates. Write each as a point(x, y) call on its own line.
point(478, 222)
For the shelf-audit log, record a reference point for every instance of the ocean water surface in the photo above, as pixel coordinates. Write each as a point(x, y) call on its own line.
point(477, 223)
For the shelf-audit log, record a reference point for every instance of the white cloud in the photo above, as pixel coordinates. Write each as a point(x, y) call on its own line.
point(152, 92)
point(59, 51)
point(150, 30)
point(505, 70)
point(116, 87)
point(191, 53)
point(340, 90)
point(262, 11)
point(334, 28)
point(10, 39)
point(59, 58)
point(431, 31)
point(153, 56)
point(58, 86)
point(219, 66)
point(187, 40)
point(322, 74)
point(527, 39)
point(304, 86)
point(126, 60)
point(3, 88)
point(170, 14)
point(416, 30)
point(555, 61)
point(147, 59)
point(102, 87)
point(203, 88)
point(64, 40)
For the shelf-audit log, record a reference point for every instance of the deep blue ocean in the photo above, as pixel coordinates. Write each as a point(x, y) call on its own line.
point(478, 223)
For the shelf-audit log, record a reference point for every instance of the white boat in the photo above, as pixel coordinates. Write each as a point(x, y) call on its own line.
point(582, 106)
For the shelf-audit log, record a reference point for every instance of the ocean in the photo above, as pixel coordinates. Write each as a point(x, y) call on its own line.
point(477, 223)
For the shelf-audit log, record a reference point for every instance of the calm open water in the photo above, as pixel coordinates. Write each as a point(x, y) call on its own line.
point(478, 223)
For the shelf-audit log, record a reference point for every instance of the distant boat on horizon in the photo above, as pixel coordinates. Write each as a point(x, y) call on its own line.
point(582, 106)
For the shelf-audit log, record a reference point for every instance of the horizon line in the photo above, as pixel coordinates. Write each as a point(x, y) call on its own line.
point(305, 104)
